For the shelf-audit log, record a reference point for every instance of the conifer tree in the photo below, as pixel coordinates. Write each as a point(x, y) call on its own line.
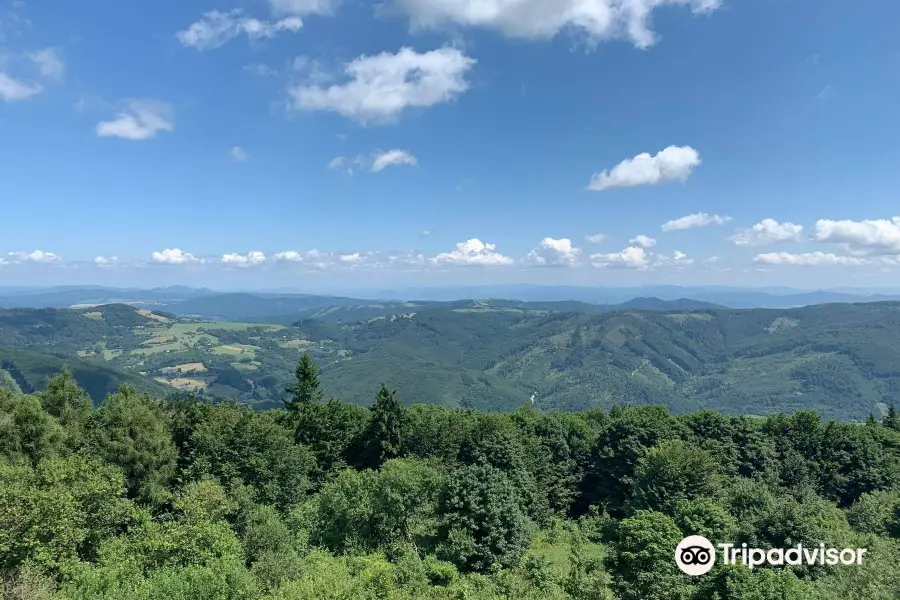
point(306, 391)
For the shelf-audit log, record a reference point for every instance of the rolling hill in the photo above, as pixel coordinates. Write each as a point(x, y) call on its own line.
point(840, 359)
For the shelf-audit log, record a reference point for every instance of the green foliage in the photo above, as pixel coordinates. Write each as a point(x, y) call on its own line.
point(641, 559)
point(484, 527)
point(130, 432)
point(672, 473)
point(146, 499)
point(306, 389)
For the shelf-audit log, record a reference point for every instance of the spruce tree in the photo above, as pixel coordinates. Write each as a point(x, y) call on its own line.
point(385, 428)
point(892, 420)
point(306, 391)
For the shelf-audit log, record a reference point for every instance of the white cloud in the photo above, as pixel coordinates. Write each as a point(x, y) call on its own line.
point(711, 260)
point(473, 252)
point(288, 256)
point(392, 157)
point(382, 86)
point(244, 260)
point(595, 238)
point(674, 163)
point(13, 90)
point(217, 28)
point(595, 20)
point(238, 154)
point(677, 260)
point(37, 256)
point(173, 256)
point(106, 261)
point(632, 257)
point(48, 62)
point(139, 120)
point(642, 241)
point(767, 231)
point(355, 257)
point(425, 232)
point(809, 259)
point(552, 252)
point(695, 220)
point(871, 236)
point(303, 7)
point(336, 163)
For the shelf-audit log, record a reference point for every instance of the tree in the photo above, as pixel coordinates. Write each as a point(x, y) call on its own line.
point(641, 559)
point(892, 420)
point(306, 390)
point(131, 432)
point(70, 405)
point(671, 473)
point(384, 439)
point(483, 527)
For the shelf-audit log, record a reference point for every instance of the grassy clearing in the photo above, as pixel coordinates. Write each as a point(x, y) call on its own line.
point(244, 367)
point(197, 367)
point(85, 353)
point(96, 316)
point(111, 354)
point(295, 344)
point(186, 383)
point(150, 315)
point(236, 350)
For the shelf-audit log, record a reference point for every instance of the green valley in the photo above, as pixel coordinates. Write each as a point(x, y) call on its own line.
point(839, 359)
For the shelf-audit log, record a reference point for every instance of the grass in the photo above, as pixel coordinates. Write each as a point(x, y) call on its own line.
point(295, 344)
point(150, 315)
point(196, 367)
point(186, 383)
point(250, 366)
point(96, 316)
point(235, 350)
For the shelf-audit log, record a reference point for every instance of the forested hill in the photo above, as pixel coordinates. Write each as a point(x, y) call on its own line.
point(143, 499)
point(840, 359)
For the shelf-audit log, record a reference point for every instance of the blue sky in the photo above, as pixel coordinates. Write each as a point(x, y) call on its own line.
point(319, 142)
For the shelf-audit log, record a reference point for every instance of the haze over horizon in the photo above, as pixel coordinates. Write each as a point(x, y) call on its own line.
point(327, 145)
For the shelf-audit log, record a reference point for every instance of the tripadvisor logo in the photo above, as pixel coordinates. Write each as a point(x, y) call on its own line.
point(696, 555)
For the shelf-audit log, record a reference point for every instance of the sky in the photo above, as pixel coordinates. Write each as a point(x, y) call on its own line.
point(341, 143)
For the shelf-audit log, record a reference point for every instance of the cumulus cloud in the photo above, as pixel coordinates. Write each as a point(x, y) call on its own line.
point(288, 256)
point(106, 261)
point(173, 256)
point(695, 220)
point(13, 90)
point(595, 238)
point(382, 86)
point(809, 259)
point(676, 260)
point(552, 252)
point(217, 28)
point(139, 120)
point(595, 20)
point(244, 260)
point(392, 157)
point(871, 236)
point(238, 154)
point(354, 257)
point(49, 63)
point(473, 252)
point(767, 231)
point(36, 256)
point(632, 257)
point(674, 163)
point(642, 241)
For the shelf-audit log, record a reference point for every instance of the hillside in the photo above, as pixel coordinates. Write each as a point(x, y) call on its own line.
point(840, 359)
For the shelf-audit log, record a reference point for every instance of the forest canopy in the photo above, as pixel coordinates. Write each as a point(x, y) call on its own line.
point(145, 498)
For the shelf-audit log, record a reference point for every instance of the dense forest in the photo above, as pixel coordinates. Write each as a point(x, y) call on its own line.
point(840, 360)
point(177, 499)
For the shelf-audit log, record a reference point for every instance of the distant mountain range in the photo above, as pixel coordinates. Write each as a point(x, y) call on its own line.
point(841, 359)
point(211, 304)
